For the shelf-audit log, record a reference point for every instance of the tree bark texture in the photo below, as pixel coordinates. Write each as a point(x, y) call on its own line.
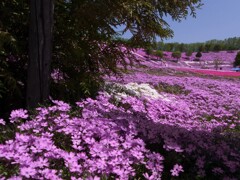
point(40, 51)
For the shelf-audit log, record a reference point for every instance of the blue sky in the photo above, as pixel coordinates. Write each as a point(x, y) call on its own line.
point(217, 19)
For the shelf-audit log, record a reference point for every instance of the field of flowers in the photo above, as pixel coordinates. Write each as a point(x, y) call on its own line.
point(209, 60)
point(226, 56)
point(211, 72)
point(151, 123)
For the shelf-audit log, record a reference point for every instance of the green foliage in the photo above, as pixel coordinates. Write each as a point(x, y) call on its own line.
point(13, 54)
point(217, 47)
point(86, 43)
point(159, 53)
point(208, 47)
point(201, 48)
point(140, 170)
point(11, 74)
point(63, 141)
point(211, 45)
point(172, 89)
point(59, 164)
point(7, 132)
point(14, 22)
point(237, 60)
point(7, 43)
point(149, 51)
point(182, 47)
point(7, 46)
point(176, 54)
point(188, 53)
point(7, 169)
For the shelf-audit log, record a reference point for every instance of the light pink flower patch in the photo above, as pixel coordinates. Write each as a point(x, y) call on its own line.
point(2, 122)
point(28, 172)
point(176, 170)
point(18, 114)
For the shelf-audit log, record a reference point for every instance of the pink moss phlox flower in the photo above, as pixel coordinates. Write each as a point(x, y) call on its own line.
point(2, 122)
point(93, 178)
point(148, 177)
point(61, 106)
point(176, 170)
point(15, 178)
point(28, 172)
point(217, 170)
point(18, 114)
point(108, 137)
point(50, 174)
point(57, 75)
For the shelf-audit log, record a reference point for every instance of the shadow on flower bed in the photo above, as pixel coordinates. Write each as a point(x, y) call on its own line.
point(130, 138)
point(206, 150)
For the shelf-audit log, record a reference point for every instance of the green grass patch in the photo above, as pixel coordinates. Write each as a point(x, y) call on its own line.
point(7, 169)
point(63, 141)
point(172, 89)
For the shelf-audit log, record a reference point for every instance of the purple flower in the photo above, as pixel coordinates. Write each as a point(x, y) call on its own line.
point(27, 172)
point(176, 170)
point(110, 135)
point(15, 178)
point(2, 122)
point(18, 114)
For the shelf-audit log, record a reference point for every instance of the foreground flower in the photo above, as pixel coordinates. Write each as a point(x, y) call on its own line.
point(176, 170)
point(27, 172)
point(18, 114)
point(2, 122)
point(121, 134)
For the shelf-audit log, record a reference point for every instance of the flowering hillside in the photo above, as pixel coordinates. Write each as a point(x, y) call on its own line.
point(151, 123)
point(209, 56)
point(208, 60)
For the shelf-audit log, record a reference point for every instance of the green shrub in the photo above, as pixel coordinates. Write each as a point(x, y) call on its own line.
point(172, 89)
point(199, 54)
point(176, 54)
point(188, 53)
point(12, 74)
point(217, 48)
point(159, 54)
point(149, 50)
point(237, 60)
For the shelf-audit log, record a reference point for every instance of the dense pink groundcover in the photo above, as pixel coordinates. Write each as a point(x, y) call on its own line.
point(191, 130)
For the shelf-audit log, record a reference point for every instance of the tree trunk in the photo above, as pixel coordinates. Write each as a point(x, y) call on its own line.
point(40, 51)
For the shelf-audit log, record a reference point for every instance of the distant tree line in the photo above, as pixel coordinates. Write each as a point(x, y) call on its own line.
point(211, 45)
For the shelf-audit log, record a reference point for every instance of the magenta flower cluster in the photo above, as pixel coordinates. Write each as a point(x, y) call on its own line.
point(176, 170)
point(17, 115)
point(201, 123)
point(102, 143)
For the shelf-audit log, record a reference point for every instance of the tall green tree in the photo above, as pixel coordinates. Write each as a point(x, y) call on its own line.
point(177, 55)
point(86, 43)
point(159, 54)
point(237, 60)
point(217, 47)
point(88, 40)
point(13, 54)
point(189, 53)
point(149, 51)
